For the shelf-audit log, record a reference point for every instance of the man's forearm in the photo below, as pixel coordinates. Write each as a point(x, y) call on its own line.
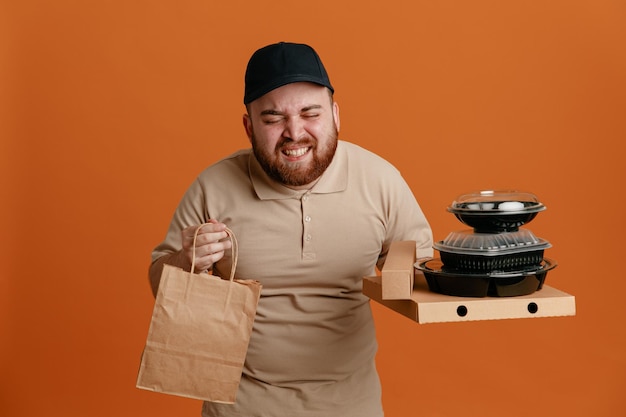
point(174, 259)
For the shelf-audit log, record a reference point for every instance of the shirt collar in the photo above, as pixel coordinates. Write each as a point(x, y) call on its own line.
point(334, 179)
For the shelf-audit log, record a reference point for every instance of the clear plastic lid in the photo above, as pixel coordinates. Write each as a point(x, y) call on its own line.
point(498, 201)
point(469, 242)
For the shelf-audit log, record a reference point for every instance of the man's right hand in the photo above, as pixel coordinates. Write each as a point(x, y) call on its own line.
point(210, 244)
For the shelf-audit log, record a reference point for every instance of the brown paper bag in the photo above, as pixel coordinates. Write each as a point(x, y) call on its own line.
point(199, 333)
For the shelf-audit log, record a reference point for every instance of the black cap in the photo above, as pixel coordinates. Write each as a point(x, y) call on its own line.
point(283, 63)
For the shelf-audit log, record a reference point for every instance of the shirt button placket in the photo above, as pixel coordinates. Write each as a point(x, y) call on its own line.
point(307, 246)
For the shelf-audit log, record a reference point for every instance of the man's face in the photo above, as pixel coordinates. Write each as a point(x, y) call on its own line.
point(293, 130)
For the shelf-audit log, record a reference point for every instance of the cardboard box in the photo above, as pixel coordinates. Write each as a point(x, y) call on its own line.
point(425, 306)
point(399, 271)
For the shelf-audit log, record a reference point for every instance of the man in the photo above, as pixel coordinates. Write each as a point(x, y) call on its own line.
point(312, 215)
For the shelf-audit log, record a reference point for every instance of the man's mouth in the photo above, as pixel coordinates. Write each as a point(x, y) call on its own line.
point(296, 153)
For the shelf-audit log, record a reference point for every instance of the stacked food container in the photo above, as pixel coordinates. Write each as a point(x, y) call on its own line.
point(496, 257)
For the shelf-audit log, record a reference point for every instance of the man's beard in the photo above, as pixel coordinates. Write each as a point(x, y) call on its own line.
point(295, 174)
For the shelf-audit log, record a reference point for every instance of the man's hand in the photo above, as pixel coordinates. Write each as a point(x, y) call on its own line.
point(210, 244)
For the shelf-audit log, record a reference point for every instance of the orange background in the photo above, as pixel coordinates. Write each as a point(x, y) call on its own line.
point(110, 109)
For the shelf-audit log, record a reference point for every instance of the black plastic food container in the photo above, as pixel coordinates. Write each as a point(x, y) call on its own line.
point(482, 252)
point(496, 211)
point(462, 284)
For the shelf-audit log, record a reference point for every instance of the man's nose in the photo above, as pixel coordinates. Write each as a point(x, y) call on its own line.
point(294, 128)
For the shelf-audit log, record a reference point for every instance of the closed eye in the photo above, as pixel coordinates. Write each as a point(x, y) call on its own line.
point(311, 111)
point(271, 120)
point(271, 116)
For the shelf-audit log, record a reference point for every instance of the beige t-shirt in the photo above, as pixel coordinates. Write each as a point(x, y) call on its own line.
point(313, 344)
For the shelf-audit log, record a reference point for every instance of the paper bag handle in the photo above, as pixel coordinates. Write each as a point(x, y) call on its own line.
point(234, 250)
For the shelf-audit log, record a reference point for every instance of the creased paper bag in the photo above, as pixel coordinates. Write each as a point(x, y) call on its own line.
point(199, 334)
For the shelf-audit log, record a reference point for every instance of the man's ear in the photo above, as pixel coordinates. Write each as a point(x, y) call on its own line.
point(247, 124)
point(336, 114)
